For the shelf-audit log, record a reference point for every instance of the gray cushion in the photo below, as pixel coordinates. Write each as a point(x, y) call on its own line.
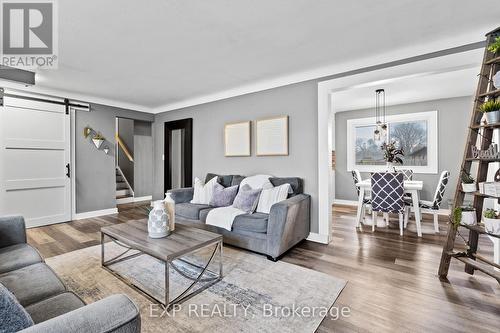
point(32, 283)
point(247, 199)
point(223, 196)
point(237, 180)
point(256, 222)
point(18, 256)
point(54, 306)
point(296, 183)
point(204, 214)
point(13, 317)
point(225, 180)
point(188, 210)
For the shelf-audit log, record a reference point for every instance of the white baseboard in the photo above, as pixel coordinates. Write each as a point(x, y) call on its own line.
point(345, 202)
point(145, 198)
point(318, 238)
point(95, 213)
point(355, 203)
point(124, 200)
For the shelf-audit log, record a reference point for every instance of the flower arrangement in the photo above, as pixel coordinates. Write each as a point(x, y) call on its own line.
point(392, 153)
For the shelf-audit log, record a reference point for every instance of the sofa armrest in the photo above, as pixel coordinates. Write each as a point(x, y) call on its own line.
point(180, 195)
point(116, 313)
point(289, 223)
point(12, 231)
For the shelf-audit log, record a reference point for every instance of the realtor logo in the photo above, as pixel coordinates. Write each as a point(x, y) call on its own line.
point(28, 35)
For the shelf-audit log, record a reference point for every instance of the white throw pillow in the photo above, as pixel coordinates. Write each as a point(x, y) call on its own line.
point(257, 181)
point(269, 197)
point(203, 192)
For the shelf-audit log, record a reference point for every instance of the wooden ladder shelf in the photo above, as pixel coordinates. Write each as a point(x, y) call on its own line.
point(483, 133)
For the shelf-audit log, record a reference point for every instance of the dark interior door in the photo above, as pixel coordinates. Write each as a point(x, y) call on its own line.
point(174, 130)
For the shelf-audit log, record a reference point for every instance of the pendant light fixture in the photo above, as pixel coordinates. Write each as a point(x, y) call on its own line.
point(380, 132)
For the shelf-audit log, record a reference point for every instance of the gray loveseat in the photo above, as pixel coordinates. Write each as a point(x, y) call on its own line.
point(270, 234)
point(42, 294)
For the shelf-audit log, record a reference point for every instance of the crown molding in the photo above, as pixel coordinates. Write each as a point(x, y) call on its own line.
point(409, 54)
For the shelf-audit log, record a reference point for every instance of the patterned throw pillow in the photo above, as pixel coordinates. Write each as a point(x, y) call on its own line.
point(223, 196)
point(13, 316)
point(247, 199)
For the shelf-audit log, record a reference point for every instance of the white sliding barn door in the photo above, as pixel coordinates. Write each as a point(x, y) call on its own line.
point(34, 154)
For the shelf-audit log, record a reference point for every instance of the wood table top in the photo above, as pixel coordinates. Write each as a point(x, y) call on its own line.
point(184, 239)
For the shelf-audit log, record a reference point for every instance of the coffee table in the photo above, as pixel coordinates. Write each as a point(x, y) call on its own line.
point(169, 250)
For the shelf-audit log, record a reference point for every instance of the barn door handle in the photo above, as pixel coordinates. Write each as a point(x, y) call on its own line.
point(68, 171)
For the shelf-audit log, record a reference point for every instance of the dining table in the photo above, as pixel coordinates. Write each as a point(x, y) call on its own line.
point(413, 187)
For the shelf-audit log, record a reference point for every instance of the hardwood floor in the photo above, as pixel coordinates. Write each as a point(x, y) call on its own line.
point(392, 280)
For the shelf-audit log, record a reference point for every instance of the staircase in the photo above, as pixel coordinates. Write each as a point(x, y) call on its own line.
point(124, 192)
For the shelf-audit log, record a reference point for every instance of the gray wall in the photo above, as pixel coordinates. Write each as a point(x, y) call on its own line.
point(143, 158)
point(299, 101)
point(94, 170)
point(453, 119)
point(126, 132)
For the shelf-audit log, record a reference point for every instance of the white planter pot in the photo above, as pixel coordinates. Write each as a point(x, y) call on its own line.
point(468, 217)
point(493, 117)
point(97, 142)
point(467, 188)
point(496, 80)
point(492, 225)
point(157, 221)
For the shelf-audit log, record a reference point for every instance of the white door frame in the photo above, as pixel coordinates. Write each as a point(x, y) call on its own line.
point(326, 116)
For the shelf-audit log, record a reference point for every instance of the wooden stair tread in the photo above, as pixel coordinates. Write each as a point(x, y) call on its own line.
point(486, 269)
point(489, 160)
point(493, 61)
point(496, 125)
point(492, 93)
point(479, 229)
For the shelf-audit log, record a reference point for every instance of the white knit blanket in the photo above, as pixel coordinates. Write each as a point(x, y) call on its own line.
point(223, 217)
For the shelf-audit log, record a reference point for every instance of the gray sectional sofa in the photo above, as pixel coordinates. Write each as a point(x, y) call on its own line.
point(270, 234)
point(45, 298)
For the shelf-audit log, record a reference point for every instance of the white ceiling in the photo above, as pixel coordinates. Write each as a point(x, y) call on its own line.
point(158, 54)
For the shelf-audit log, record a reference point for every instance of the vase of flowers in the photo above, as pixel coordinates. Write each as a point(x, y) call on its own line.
point(392, 154)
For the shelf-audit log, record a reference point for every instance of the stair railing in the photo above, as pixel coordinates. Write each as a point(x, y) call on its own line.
point(124, 148)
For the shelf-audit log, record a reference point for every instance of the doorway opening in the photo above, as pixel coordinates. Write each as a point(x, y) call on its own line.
point(178, 150)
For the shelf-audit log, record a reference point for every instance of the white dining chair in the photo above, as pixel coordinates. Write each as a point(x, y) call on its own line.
point(356, 177)
point(432, 207)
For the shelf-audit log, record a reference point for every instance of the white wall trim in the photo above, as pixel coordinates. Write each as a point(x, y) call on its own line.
point(95, 213)
point(318, 238)
point(147, 197)
point(326, 111)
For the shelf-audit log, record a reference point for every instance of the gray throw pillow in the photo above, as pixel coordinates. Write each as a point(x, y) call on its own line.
point(223, 196)
point(247, 199)
point(14, 317)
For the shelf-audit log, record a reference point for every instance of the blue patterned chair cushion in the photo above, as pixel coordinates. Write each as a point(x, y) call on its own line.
point(387, 192)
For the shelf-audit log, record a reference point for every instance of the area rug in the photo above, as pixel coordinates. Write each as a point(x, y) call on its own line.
point(255, 294)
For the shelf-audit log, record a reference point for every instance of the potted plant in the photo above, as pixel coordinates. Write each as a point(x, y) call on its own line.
point(491, 221)
point(495, 46)
point(466, 215)
point(392, 154)
point(98, 139)
point(468, 183)
point(492, 110)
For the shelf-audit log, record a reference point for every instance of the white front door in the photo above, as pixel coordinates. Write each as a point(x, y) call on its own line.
point(34, 161)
